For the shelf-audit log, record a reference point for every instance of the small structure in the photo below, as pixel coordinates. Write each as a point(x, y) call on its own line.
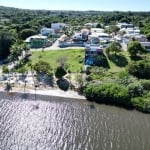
point(47, 31)
point(92, 52)
point(125, 25)
point(146, 45)
point(57, 27)
point(37, 41)
point(97, 30)
point(80, 36)
point(93, 39)
point(90, 25)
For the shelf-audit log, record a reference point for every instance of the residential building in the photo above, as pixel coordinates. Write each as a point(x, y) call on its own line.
point(146, 45)
point(97, 30)
point(125, 25)
point(47, 31)
point(37, 41)
point(57, 27)
point(92, 52)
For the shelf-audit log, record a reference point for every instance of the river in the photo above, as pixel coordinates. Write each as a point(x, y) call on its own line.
point(53, 123)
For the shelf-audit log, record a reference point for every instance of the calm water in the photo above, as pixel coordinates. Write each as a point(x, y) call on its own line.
point(60, 124)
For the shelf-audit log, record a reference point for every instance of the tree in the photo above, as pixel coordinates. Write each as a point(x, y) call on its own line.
point(5, 69)
point(6, 40)
point(140, 69)
point(60, 72)
point(25, 48)
point(15, 52)
point(25, 33)
point(114, 47)
point(148, 36)
point(112, 29)
point(135, 48)
point(43, 68)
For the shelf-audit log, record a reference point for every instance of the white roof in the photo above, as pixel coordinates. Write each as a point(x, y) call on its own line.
point(35, 37)
point(99, 30)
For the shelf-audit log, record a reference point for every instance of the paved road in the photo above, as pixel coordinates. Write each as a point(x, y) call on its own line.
point(55, 46)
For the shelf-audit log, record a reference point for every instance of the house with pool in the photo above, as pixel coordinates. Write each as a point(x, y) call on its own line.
point(93, 53)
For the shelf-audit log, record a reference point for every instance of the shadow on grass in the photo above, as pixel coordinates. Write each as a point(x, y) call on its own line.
point(102, 61)
point(119, 60)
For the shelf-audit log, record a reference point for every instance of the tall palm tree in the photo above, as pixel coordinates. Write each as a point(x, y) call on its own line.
point(25, 48)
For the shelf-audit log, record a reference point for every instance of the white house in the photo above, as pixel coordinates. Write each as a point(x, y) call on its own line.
point(47, 31)
point(57, 27)
point(97, 30)
point(125, 25)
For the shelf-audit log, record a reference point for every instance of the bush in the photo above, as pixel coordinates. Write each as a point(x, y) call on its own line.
point(135, 90)
point(60, 72)
point(141, 103)
point(107, 93)
point(145, 84)
point(43, 68)
point(125, 79)
point(63, 84)
point(5, 69)
point(140, 69)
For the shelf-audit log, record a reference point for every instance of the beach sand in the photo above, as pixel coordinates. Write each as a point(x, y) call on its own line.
point(47, 92)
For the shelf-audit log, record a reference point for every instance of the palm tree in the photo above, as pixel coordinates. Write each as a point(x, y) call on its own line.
point(35, 85)
point(25, 48)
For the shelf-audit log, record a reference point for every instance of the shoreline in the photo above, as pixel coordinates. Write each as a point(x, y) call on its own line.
point(46, 94)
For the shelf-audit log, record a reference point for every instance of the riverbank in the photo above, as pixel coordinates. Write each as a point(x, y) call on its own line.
point(41, 93)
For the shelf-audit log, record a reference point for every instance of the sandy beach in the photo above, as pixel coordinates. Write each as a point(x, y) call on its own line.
point(46, 92)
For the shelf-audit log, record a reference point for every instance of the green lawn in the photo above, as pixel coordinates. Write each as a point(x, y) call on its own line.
point(74, 57)
point(119, 62)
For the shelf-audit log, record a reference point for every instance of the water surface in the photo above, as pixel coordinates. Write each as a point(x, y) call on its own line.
point(69, 124)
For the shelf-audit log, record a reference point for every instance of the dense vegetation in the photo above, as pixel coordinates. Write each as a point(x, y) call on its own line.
point(122, 79)
point(127, 86)
point(21, 23)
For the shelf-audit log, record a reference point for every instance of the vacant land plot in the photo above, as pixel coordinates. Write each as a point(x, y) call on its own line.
point(74, 58)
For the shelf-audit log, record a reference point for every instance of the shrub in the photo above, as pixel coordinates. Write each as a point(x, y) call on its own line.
point(63, 84)
point(108, 93)
point(140, 69)
point(60, 72)
point(125, 79)
point(141, 103)
point(145, 84)
point(5, 69)
point(135, 90)
point(43, 68)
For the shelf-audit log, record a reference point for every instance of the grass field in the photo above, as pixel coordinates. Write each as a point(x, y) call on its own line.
point(119, 62)
point(74, 58)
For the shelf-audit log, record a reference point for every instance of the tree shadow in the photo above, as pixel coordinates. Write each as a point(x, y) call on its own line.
point(8, 87)
point(45, 80)
point(136, 58)
point(103, 62)
point(97, 60)
point(119, 60)
point(63, 84)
